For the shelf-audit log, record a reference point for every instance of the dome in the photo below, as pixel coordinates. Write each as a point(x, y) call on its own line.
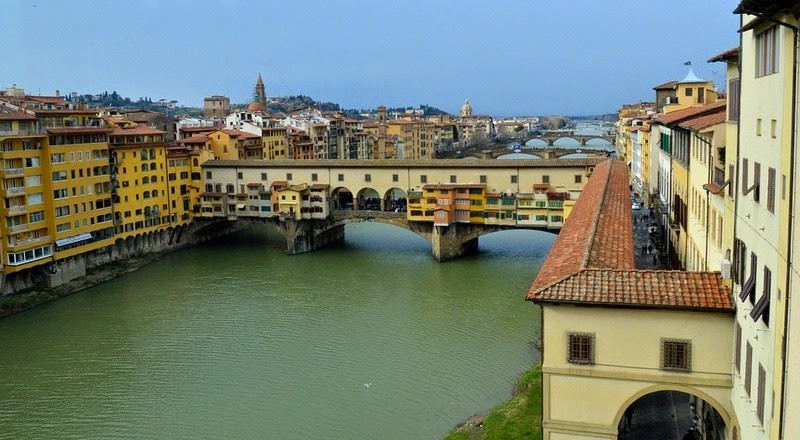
point(466, 109)
point(256, 107)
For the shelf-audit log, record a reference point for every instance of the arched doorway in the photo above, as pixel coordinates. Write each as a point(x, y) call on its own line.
point(671, 414)
point(341, 198)
point(368, 200)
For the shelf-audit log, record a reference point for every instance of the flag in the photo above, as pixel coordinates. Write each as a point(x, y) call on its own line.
point(688, 63)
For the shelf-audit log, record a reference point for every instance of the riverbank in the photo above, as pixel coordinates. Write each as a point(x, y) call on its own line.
point(518, 418)
point(30, 298)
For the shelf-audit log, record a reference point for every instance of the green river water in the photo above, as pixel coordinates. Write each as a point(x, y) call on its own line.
point(371, 339)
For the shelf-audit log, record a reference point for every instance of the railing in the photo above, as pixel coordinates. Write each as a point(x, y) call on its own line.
point(19, 228)
point(16, 190)
point(17, 209)
point(29, 242)
point(35, 131)
point(9, 172)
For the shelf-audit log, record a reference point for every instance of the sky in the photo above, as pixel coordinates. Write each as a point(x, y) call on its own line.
point(508, 57)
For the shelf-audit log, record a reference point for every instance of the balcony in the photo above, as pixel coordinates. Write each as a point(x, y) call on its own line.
point(33, 132)
point(16, 190)
point(21, 209)
point(19, 228)
point(26, 243)
point(11, 172)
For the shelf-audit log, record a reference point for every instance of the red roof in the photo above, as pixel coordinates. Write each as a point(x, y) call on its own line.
point(666, 86)
point(728, 55)
point(591, 261)
point(641, 288)
point(15, 115)
point(196, 139)
point(704, 121)
point(686, 113)
point(598, 231)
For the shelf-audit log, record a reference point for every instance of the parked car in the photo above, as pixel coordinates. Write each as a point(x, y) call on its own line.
point(636, 206)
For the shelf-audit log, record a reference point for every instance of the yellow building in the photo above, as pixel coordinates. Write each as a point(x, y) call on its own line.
point(140, 181)
point(274, 140)
point(417, 136)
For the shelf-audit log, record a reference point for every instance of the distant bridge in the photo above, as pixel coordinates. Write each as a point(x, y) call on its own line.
point(494, 153)
point(551, 137)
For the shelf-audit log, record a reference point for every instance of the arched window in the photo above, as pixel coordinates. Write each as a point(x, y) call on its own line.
point(144, 155)
point(155, 193)
point(194, 162)
point(146, 195)
point(154, 179)
point(145, 180)
point(152, 153)
point(144, 167)
point(153, 166)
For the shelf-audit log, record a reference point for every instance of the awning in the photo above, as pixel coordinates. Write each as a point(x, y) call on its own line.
point(73, 239)
point(240, 206)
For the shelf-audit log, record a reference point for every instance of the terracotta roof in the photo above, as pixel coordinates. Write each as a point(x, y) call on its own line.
point(686, 113)
point(668, 289)
point(139, 129)
point(638, 128)
point(15, 115)
point(666, 86)
point(47, 99)
point(728, 55)
point(704, 121)
point(598, 232)
point(196, 139)
point(453, 185)
point(591, 262)
point(319, 186)
point(200, 129)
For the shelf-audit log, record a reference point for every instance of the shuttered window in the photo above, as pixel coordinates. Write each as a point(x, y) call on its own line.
point(745, 166)
point(756, 182)
point(771, 190)
point(738, 352)
point(748, 367)
point(762, 382)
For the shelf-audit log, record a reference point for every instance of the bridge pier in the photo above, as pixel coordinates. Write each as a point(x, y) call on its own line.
point(309, 235)
point(450, 242)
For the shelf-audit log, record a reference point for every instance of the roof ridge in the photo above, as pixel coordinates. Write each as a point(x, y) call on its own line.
point(596, 219)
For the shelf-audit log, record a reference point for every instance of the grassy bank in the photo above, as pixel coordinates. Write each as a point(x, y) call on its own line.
point(518, 418)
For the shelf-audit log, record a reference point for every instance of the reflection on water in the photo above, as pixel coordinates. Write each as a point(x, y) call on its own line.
point(235, 339)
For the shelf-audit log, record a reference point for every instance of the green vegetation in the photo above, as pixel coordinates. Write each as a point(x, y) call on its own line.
point(518, 418)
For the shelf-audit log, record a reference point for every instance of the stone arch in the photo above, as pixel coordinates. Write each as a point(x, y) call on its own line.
point(653, 389)
point(342, 198)
point(536, 143)
point(562, 142)
point(130, 245)
point(395, 199)
point(597, 142)
point(368, 199)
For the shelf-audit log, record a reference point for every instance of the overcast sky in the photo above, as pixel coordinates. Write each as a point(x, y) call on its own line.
point(526, 57)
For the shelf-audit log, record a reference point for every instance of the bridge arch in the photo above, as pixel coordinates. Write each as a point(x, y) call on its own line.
point(368, 199)
point(566, 141)
point(597, 142)
point(714, 414)
point(342, 198)
point(395, 199)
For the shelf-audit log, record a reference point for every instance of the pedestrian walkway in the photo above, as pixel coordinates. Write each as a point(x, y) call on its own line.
point(645, 249)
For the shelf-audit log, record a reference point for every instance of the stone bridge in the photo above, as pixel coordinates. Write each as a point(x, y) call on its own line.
point(551, 138)
point(494, 153)
point(447, 242)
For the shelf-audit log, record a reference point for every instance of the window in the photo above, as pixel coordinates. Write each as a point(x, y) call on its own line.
point(453, 179)
point(513, 179)
point(239, 175)
point(367, 177)
point(60, 193)
point(580, 348)
point(676, 354)
point(733, 99)
point(762, 382)
point(748, 366)
point(395, 178)
point(37, 216)
point(773, 128)
point(288, 176)
point(314, 177)
point(341, 177)
point(761, 308)
point(688, 91)
point(767, 52)
point(756, 182)
point(423, 178)
point(545, 179)
point(208, 174)
point(263, 176)
point(578, 178)
point(483, 179)
point(771, 190)
point(738, 349)
point(730, 177)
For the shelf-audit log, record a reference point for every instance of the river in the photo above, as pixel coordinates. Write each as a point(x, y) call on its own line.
point(235, 339)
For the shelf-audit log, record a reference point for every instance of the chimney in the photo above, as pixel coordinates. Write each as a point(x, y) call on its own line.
point(57, 93)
